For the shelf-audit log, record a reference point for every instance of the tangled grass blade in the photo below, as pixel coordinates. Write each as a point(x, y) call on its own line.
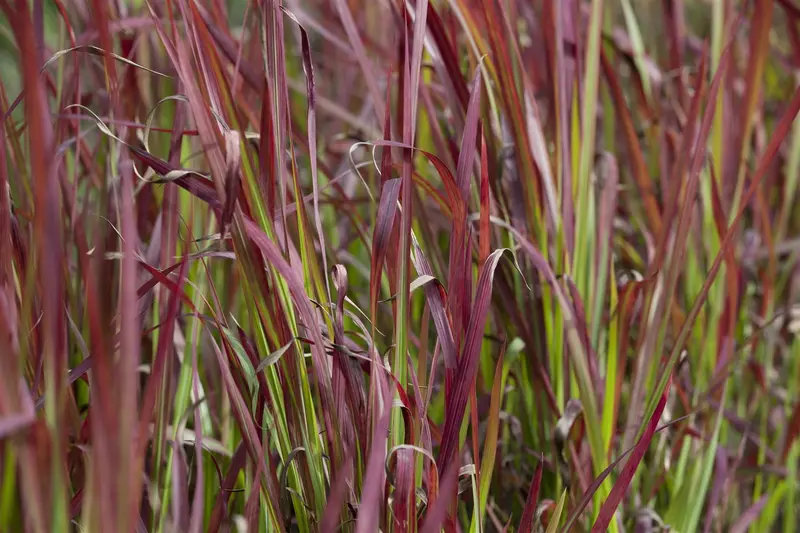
point(251, 275)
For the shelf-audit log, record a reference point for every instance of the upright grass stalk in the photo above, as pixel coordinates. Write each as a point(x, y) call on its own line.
point(278, 302)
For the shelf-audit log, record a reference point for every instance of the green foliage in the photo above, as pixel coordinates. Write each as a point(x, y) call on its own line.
point(478, 265)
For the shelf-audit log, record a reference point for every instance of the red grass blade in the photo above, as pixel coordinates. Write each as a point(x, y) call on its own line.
point(437, 513)
point(163, 351)
point(354, 37)
point(621, 486)
point(308, 69)
point(48, 233)
point(468, 363)
point(235, 467)
point(444, 45)
point(336, 498)
point(459, 275)
point(404, 509)
point(127, 378)
point(484, 232)
point(232, 179)
point(384, 224)
point(372, 494)
point(792, 431)
point(750, 515)
point(180, 489)
point(529, 511)
point(466, 156)
point(10, 425)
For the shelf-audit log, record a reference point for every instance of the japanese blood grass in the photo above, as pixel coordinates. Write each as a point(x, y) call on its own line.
point(399, 266)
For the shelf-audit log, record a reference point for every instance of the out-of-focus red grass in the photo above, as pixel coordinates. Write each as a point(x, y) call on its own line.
point(361, 266)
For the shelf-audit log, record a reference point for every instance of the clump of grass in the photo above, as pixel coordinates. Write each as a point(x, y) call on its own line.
point(399, 266)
